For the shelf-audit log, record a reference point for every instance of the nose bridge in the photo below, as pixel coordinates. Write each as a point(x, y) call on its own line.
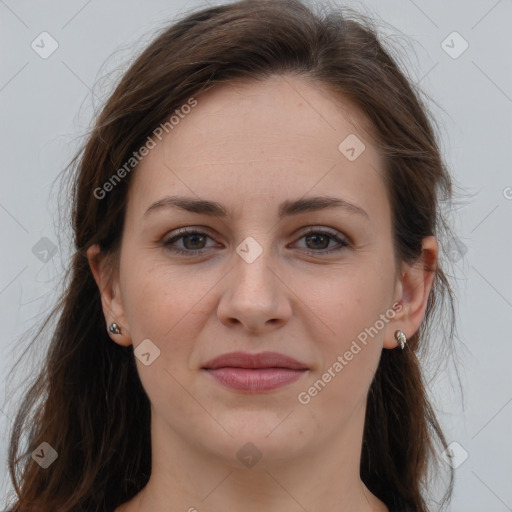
point(254, 295)
point(252, 263)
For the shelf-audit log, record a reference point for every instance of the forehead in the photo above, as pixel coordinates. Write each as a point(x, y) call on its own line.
point(284, 136)
point(280, 116)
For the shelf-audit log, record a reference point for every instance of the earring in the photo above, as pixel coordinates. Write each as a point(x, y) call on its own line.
point(114, 328)
point(400, 337)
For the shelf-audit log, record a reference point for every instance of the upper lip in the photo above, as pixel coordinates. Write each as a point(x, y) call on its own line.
point(259, 360)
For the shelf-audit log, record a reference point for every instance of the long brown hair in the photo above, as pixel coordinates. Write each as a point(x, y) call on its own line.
point(87, 402)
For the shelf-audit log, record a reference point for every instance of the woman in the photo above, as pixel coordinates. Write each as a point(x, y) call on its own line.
point(256, 220)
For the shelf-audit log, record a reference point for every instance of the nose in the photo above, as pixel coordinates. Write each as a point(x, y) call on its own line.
point(255, 296)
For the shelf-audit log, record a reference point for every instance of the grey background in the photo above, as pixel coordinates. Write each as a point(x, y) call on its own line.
point(46, 104)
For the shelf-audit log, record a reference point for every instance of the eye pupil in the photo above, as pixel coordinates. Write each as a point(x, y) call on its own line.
point(193, 236)
point(317, 236)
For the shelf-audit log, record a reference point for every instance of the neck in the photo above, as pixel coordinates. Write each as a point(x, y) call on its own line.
point(323, 477)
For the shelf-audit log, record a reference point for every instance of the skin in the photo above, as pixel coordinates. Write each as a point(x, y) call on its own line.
point(251, 146)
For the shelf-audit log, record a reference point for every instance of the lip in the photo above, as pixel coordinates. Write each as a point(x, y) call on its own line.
point(252, 361)
point(255, 373)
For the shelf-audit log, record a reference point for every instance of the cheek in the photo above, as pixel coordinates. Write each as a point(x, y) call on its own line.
point(353, 309)
point(350, 354)
point(159, 306)
point(345, 299)
point(167, 305)
point(150, 297)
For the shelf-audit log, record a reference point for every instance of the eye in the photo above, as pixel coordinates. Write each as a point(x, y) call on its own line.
point(192, 240)
point(317, 240)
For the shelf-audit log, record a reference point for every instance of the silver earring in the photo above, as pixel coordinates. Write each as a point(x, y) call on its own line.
point(400, 337)
point(114, 328)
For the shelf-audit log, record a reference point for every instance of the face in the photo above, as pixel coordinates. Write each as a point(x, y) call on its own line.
point(314, 284)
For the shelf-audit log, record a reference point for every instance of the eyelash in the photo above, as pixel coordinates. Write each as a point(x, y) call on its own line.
point(312, 231)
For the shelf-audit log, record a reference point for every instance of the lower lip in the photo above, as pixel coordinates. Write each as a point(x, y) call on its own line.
point(255, 380)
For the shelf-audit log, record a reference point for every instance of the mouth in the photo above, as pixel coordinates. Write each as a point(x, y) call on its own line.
point(255, 373)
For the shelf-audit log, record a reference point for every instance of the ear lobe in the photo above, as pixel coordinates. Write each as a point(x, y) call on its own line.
point(111, 301)
point(413, 291)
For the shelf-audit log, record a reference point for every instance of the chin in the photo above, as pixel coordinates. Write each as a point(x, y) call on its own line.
point(258, 438)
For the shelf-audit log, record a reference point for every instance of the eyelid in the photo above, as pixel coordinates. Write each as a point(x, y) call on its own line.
point(335, 235)
point(342, 240)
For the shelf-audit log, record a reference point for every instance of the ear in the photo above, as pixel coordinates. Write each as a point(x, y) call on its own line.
point(412, 291)
point(111, 299)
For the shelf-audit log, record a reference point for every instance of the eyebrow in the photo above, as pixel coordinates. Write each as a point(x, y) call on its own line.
point(286, 208)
